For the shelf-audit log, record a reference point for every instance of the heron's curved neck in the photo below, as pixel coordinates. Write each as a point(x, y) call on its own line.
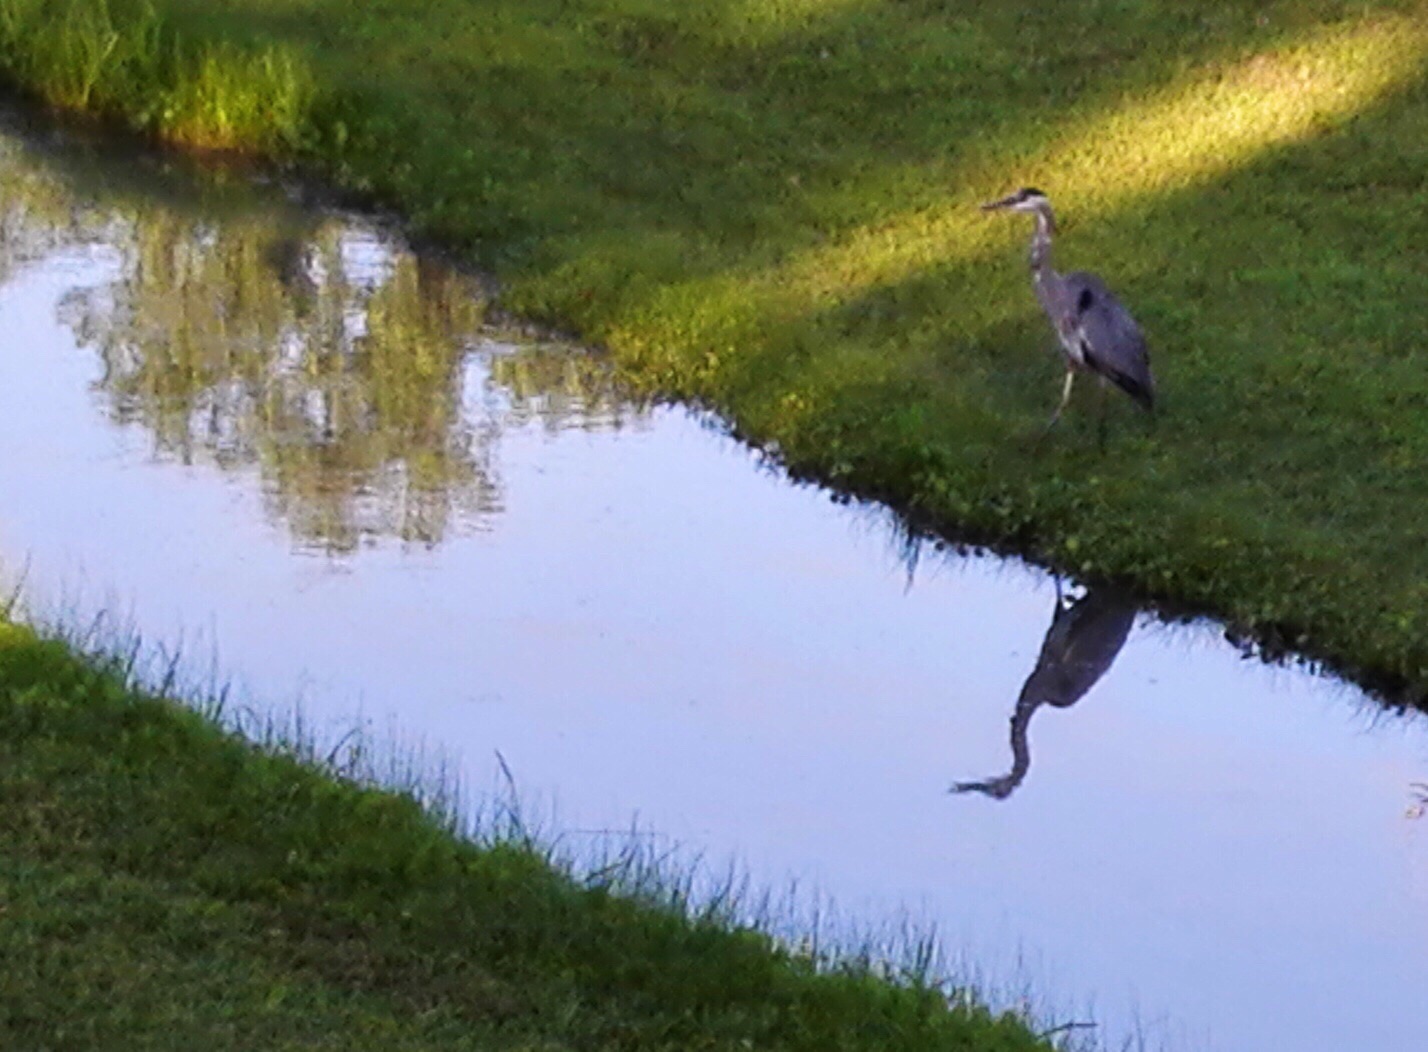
point(1002, 787)
point(1021, 750)
point(1041, 241)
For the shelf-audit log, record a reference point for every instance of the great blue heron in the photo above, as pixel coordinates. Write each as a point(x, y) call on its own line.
point(1084, 638)
point(1096, 332)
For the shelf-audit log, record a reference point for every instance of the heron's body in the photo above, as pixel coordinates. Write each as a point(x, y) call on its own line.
point(1103, 338)
point(1096, 332)
point(1080, 646)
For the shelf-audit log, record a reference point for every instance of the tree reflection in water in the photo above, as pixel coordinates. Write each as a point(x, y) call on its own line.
point(1085, 636)
point(362, 381)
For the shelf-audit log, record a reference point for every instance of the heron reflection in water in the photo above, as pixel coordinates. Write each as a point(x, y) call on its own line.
point(1085, 636)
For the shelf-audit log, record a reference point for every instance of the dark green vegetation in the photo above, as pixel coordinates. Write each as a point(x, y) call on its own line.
point(766, 206)
point(165, 885)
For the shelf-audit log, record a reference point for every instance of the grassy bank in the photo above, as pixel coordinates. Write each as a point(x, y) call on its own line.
point(766, 206)
point(165, 885)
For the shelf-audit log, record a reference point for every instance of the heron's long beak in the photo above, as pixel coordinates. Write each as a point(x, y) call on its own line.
point(1005, 202)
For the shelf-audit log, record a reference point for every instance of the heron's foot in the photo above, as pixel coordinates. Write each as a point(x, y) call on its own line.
point(1035, 439)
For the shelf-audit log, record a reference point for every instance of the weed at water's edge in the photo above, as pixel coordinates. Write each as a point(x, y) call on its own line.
point(123, 62)
point(227, 100)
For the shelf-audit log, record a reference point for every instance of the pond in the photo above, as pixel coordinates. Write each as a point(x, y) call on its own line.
point(268, 432)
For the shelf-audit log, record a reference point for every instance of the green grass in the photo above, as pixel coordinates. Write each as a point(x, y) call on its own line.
point(120, 59)
point(167, 885)
point(767, 207)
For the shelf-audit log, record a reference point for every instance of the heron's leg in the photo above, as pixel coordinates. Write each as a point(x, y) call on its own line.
point(1065, 397)
point(1101, 412)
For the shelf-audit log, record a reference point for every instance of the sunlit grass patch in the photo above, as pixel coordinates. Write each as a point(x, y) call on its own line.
point(1204, 125)
point(229, 99)
point(766, 20)
point(1225, 116)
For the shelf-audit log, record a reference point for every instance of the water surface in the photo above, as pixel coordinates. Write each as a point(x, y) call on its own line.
point(271, 430)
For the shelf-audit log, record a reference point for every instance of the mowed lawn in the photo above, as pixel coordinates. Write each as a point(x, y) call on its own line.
point(768, 207)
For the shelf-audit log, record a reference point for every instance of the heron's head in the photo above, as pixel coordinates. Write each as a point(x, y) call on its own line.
point(1027, 199)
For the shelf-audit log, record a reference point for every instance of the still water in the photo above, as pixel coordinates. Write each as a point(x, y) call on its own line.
point(272, 432)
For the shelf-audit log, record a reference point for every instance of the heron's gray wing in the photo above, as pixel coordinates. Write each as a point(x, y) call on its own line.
point(1110, 338)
